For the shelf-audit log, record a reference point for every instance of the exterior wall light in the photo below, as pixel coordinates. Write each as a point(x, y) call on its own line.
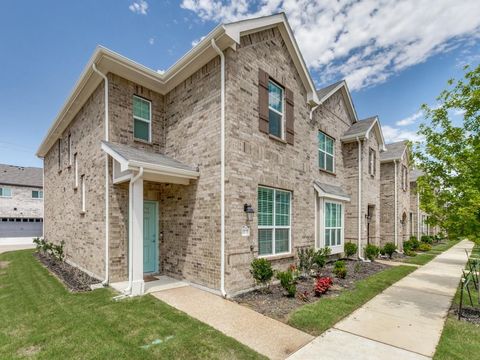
point(247, 208)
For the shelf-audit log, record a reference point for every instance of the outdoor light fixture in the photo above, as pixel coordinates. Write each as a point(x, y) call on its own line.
point(249, 211)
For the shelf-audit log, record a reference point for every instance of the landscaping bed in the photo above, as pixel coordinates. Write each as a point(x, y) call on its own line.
point(273, 303)
point(73, 278)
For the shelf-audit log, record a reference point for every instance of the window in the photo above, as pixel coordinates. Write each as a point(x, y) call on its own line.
point(372, 157)
point(75, 171)
point(333, 224)
point(5, 192)
point(141, 119)
point(69, 146)
point(82, 188)
point(37, 194)
point(404, 178)
point(59, 155)
point(273, 221)
point(326, 152)
point(275, 109)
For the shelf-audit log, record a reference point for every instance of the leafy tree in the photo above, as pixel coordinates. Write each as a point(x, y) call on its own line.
point(450, 158)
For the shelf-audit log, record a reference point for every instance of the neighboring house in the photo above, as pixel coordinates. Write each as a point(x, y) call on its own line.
point(418, 217)
point(21, 201)
point(229, 155)
point(395, 194)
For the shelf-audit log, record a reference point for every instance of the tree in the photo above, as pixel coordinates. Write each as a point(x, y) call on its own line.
point(450, 159)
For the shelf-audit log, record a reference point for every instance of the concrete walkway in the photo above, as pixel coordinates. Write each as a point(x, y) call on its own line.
point(263, 334)
point(403, 322)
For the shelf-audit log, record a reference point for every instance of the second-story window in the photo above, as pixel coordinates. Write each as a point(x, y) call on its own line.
point(37, 194)
point(142, 119)
point(5, 192)
point(326, 152)
point(404, 177)
point(372, 158)
point(275, 110)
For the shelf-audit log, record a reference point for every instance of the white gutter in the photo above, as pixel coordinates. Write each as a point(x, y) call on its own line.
point(107, 195)
point(396, 205)
point(360, 200)
point(222, 167)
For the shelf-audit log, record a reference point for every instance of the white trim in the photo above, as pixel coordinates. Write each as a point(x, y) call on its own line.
point(69, 145)
point(396, 205)
point(75, 170)
point(366, 135)
point(82, 193)
point(11, 192)
point(342, 84)
point(322, 226)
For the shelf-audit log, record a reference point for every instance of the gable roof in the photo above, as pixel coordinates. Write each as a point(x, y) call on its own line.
point(224, 35)
point(362, 130)
point(325, 93)
point(395, 151)
point(21, 176)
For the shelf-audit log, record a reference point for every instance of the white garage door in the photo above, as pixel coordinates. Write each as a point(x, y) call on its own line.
point(17, 227)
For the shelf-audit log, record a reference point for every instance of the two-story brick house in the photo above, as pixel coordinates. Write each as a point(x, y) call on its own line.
point(231, 154)
point(21, 201)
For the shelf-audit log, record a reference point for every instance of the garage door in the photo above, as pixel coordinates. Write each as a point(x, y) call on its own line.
point(16, 227)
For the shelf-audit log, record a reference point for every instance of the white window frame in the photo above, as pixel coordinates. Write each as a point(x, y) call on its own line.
point(282, 114)
point(325, 153)
point(273, 227)
point(75, 171)
point(5, 196)
point(82, 188)
point(148, 121)
point(337, 249)
point(40, 194)
point(372, 158)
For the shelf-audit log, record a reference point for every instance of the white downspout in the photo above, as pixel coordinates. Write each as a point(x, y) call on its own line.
point(360, 199)
point(107, 195)
point(222, 167)
point(396, 205)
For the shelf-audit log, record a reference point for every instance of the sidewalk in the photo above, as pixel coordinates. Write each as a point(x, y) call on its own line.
point(263, 334)
point(403, 322)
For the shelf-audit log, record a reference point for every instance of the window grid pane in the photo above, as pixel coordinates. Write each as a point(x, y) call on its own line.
point(265, 242)
point(282, 208)
point(265, 207)
point(141, 130)
point(333, 224)
point(281, 240)
point(141, 108)
point(326, 146)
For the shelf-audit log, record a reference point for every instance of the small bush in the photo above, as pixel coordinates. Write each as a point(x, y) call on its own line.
point(320, 257)
point(350, 249)
point(371, 252)
point(262, 271)
point(339, 269)
point(288, 282)
point(425, 247)
point(305, 260)
point(358, 267)
point(39, 244)
point(426, 239)
point(411, 244)
point(389, 249)
point(322, 285)
point(409, 252)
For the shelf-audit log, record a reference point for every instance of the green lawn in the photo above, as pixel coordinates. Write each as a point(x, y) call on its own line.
point(40, 319)
point(423, 258)
point(460, 339)
point(317, 317)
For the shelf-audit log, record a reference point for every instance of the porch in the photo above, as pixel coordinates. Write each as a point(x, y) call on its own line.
point(153, 283)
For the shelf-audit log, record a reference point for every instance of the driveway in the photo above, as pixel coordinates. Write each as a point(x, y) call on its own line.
point(12, 244)
point(403, 322)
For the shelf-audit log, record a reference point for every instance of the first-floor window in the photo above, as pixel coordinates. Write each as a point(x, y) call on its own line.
point(333, 224)
point(5, 192)
point(274, 222)
point(37, 194)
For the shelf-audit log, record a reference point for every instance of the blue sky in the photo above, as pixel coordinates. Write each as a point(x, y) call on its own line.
point(390, 69)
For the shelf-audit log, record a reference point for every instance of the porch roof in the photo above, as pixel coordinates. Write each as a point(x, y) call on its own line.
point(330, 191)
point(131, 158)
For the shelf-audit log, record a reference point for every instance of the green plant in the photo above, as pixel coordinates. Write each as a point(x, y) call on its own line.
point(57, 251)
point(305, 260)
point(262, 271)
point(339, 269)
point(322, 285)
point(350, 249)
point(358, 267)
point(39, 244)
point(425, 247)
point(426, 239)
point(409, 252)
point(320, 257)
point(371, 252)
point(389, 249)
point(411, 244)
point(288, 282)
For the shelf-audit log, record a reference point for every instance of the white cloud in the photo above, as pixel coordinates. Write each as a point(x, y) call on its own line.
point(393, 134)
point(151, 41)
point(410, 119)
point(196, 41)
point(139, 7)
point(161, 71)
point(365, 42)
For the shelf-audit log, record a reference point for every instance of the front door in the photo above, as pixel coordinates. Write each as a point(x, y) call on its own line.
point(150, 246)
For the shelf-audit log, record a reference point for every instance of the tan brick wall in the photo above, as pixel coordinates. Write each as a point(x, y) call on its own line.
point(21, 204)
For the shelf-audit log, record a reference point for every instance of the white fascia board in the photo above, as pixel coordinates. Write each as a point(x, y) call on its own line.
point(323, 194)
point(163, 170)
point(119, 158)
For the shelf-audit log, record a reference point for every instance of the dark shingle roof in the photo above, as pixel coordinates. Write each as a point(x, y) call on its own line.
point(19, 175)
point(360, 128)
point(332, 189)
point(132, 154)
point(415, 174)
point(394, 151)
point(321, 93)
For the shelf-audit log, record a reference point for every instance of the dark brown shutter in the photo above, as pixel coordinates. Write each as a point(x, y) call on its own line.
point(263, 101)
point(289, 117)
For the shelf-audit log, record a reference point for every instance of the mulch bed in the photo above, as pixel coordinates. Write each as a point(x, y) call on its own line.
point(469, 314)
point(273, 303)
point(395, 257)
point(73, 278)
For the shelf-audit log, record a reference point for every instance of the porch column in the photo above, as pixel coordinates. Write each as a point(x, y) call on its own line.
point(137, 234)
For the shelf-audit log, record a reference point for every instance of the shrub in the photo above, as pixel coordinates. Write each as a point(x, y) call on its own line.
point(305, 260)
point(389, 249)
point(411, 244)
point(262, 271)
point(425, 247)
point(288, 282)
point(322, 285)
point(320, 257)
point(358, 267)
point(350, 249)
point(57, 251)
point(39, 244)
point(426, 239)
point(339, 269)
point(371, 252)
point(409, 252)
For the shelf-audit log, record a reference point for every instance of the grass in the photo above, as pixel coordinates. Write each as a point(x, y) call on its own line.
point(317, 317)
point(423, 258)
point(459, 338)
point(39, 318)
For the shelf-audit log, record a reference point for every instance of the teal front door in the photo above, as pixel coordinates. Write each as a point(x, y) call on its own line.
point(150, 245)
